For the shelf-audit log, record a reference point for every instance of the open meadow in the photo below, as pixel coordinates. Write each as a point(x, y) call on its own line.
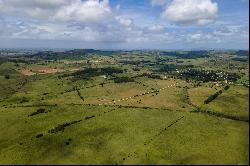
point(124, 107)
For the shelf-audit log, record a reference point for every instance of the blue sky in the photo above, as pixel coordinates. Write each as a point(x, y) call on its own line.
point(125, 24)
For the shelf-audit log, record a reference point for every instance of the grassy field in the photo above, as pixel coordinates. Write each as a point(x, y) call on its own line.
point(199, 94)
point(58, 118)
point(121, 136)
point(234, 102)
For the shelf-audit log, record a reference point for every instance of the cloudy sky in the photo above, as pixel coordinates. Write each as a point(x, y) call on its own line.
point(124, 24)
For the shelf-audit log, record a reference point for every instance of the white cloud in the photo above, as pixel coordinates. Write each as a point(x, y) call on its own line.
point(2, 26)
point(32, 8)
point(199, 12)
point(53, 32)
point(44, 4)
point(195, 37)
point(156, 28)
point(232, 32)
point(202, 38)
point(85, 11)
point(127, 22)
point(54, 10)
point(95, 21)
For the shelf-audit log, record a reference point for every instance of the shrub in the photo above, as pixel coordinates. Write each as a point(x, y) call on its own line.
point(7, 76)
point(226, 87)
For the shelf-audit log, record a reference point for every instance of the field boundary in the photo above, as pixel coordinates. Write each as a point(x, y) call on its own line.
point(161, 131)
point(220, 115)
point(139, 95)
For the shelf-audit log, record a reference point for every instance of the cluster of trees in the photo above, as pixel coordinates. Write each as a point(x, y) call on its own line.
point(51, 55)
point(2, 60)
point(79, 53)
point(123, 79)
point(111, 70)
point(93, 72)
point(126, 62)
point(212, 97)
point(40, 111)
point(240, 59)
point(186, 54)
point(91, 51)
point(160, 59)
point(207, 76)
point(136, 69)
point(61, 127)
point(18, 59)
point(154, 76)
point(215, 95)
point(149, 75)
point(129, 62)
point(22, 60)
point(242, 53)
point(71, 54)
point(169, 68)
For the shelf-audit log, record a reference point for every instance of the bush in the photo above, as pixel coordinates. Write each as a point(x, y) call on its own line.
point(24, 100)
point(7, 76)
point(226, 87)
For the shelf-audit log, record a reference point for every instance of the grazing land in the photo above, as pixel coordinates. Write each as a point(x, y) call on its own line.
point(89, 106)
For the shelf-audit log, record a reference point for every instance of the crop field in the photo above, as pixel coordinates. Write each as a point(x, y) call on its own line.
point(124, 107)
